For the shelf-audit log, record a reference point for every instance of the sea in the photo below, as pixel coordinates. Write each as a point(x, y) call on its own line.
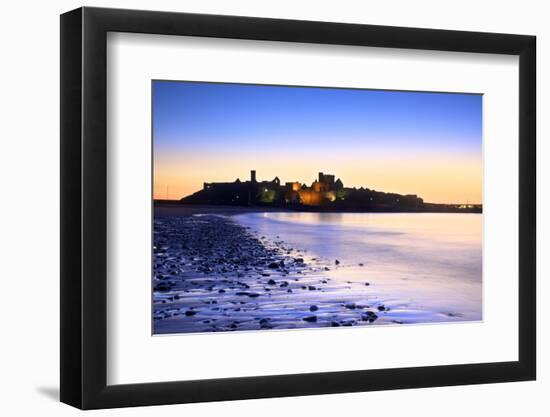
point(427, 267)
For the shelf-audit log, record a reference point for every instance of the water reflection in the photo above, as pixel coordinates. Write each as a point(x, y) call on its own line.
point(427, 264)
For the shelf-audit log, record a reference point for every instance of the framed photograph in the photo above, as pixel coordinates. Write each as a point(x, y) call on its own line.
point(256, 208)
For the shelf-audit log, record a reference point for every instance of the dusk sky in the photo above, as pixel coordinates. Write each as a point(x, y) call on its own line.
point(429, 144)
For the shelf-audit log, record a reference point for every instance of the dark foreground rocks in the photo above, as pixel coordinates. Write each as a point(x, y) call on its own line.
point(211, 274)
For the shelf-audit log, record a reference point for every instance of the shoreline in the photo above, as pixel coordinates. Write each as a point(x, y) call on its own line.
point(165, 208)
point(213, 274)
point(169, 210)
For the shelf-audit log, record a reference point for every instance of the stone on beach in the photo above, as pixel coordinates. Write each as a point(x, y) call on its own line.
point(199, 258)
point(369, 316)
point(246, 293)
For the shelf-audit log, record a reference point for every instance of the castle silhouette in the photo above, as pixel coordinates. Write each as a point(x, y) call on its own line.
point(325, 193)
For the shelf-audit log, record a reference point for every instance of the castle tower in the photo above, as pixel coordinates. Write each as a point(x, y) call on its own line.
point(253, 175)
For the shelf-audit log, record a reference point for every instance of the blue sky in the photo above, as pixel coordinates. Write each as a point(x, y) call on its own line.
point(264, 123)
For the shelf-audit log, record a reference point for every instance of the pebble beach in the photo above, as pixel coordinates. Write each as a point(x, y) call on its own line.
point(219, 269)
point(212, 274)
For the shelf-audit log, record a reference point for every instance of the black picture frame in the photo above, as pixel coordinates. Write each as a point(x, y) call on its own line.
point(84, 207)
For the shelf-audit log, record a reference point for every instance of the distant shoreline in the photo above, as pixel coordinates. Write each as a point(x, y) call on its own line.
point(164, 208)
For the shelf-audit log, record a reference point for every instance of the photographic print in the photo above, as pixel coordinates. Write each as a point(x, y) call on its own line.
point(298, 207)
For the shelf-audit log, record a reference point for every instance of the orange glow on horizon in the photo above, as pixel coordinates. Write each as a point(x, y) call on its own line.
point(435, 178)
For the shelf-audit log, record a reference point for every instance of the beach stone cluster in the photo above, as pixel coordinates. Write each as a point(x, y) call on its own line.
point(212, 274)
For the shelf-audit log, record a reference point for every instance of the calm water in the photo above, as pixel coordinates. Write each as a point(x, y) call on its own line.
point(426, 266)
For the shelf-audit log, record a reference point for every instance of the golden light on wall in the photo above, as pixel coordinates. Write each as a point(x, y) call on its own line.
point(310, 197)
point(316, 186)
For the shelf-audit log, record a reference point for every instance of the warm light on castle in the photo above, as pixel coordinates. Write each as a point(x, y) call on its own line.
point(325, 192)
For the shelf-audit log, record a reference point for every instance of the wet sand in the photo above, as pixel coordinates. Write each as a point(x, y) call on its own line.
point(211, 274)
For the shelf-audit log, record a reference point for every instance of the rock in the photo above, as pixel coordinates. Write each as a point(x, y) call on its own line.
point(360, 264)
point(310, 319)
point(273, 265)
point(284, 284)
point(246, 293)
point(367, 283)
point(313, 308)
point(334, 324)
point(369, 316)
point(271, 282)
point(351, 306)
point(336, 262)
point(381, 307)
point(264, 324)
point(327, 268)
point(221, 291)
point(299, 260)
point(189, 313)
point(311, 288)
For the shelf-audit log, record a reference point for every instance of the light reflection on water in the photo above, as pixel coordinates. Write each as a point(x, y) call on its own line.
point(427, 264)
